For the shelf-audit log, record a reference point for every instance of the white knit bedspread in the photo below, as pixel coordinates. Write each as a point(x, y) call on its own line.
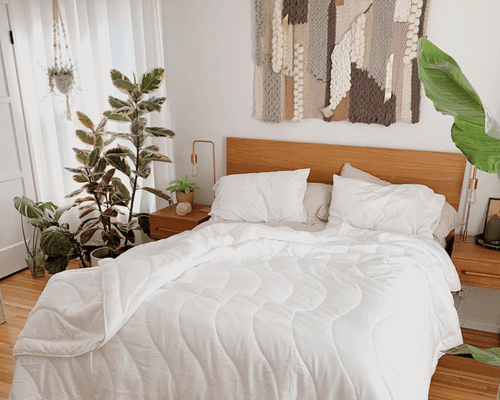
point(245, 311)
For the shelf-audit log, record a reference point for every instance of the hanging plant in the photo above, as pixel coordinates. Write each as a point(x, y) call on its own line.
point(61, 75)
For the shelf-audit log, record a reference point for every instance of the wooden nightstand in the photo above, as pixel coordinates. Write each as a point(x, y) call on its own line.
point(476, 265)
point(165, 222)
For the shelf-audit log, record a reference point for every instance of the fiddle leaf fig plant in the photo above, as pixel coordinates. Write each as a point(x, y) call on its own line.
point(489, 356)
point(135, 158)
point(475, 132)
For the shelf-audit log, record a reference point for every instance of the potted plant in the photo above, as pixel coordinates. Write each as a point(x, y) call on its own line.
point(103, 193)
point(475, 132)
point(135, 162)
point(106, 196)
point(184, 190)
point(62, 78)
point(52, 244)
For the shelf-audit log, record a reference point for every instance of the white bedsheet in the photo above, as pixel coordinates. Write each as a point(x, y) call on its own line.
point(243, 311)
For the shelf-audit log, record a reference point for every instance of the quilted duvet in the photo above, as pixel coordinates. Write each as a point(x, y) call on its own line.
point(245, 311)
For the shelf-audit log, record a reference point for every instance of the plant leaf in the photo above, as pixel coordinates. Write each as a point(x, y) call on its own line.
point(102, 125)
point(87, 234)
point(27, 207)
point(116, 117)
point(84, 120)
point(82, 156)
point(151, 80)
point(159, 132)
point(85, 137)
point(152, 104)
point(452, 94)
point(94, 157)
point(159, 193)
point(148, 156)
point(75, 193)
point(53, 265)
point(80, 178)
point(115, 102)
point(122, 83)
point(119, 163)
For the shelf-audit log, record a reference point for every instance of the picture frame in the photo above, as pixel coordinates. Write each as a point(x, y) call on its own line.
point(492, 210)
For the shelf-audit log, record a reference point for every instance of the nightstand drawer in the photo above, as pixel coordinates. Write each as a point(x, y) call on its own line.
point(476, 265)
point(478, 273)
point(164, 228)
point(165, 222)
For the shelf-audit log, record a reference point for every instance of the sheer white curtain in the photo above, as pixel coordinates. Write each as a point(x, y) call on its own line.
point(102, 34)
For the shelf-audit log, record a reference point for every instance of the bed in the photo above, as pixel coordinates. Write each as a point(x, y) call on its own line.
point(294, 307)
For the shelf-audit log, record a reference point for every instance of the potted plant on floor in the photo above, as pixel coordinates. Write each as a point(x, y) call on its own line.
point(52, 244)
point(106, 196)
point(184, 190)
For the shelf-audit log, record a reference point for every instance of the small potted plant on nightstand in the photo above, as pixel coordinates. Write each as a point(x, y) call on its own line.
point(184, 190)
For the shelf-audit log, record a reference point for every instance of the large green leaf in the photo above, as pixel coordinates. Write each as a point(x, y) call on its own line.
point(151, 80)
point(56, 241)
point(27, 207)
point(452, 94)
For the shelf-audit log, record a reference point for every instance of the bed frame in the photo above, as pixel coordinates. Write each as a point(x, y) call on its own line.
point(442, 172)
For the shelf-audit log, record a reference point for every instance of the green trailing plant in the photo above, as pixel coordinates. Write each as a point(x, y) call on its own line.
point(182, 186)
point(61, 78)
point(47, 231)
point(475, 132)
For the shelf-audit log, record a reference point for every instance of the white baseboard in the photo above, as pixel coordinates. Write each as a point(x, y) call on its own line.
point(485, 326)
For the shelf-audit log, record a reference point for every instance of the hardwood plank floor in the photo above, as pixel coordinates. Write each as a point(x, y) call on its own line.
point(456, 378)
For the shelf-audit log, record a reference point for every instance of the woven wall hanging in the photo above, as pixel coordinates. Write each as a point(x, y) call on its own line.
point(338, 60)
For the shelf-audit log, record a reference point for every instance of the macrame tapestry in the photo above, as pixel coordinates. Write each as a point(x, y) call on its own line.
point(338, 60)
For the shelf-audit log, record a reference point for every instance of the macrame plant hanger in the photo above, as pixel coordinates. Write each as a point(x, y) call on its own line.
point(64, 78)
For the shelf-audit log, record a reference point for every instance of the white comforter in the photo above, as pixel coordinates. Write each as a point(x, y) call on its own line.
point(244, 311)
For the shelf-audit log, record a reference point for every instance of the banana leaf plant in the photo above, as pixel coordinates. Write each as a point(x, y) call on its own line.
point(134, 159)
point(475, 132)
point(58, 244)
point(489, 356)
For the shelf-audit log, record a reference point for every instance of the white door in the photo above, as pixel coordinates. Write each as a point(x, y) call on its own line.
point(16, 176)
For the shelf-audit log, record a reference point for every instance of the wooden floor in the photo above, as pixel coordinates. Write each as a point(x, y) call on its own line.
point(456, 378)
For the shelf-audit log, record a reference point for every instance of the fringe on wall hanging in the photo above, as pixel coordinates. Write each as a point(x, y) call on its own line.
point(61, 75)
point(338, 60)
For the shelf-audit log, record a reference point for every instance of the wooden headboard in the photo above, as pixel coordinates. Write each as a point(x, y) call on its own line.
point(442, 172)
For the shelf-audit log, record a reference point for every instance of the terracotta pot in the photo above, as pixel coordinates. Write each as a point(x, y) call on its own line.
point(185, 197)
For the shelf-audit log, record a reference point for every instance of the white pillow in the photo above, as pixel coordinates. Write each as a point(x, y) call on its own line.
point(348, 171)
point(411, 209)
point(264, 196)
point(450, 219)
point(317, 202)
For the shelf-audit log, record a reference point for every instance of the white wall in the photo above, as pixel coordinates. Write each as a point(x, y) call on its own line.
point(210, 67)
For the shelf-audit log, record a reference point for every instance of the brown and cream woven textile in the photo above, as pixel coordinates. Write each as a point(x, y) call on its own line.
point(338, 60)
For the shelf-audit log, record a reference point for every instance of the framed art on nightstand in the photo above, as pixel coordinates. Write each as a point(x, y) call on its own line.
point(491, 235)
